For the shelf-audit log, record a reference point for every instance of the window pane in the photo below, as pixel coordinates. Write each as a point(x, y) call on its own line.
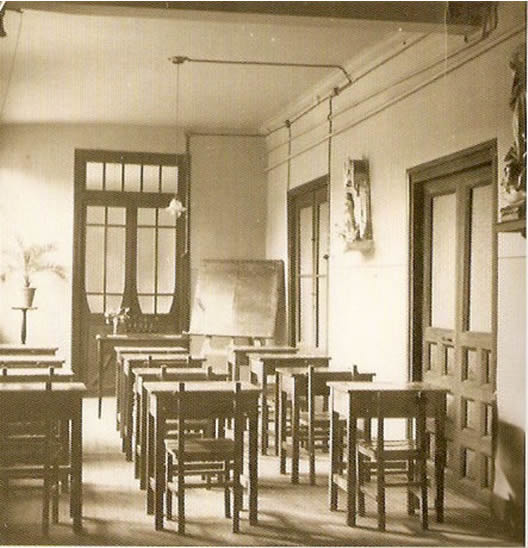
point(116, 215)
point(146, 216)
point(443, 261)
point(306, 332)
point(113, 303)
point(113, 177)
point(115, 259)
point(151, 178)
point(94, 258)
point(169, 179)
point(164, 304)
point(166, 259)
point(95, 215)
point(95, 303)
point(305, 240)
point(145, 260)
point(165, 218)
point(94, 176)
point(480, 259)
point(146, 303)
point(323, 237)
point(132, 177)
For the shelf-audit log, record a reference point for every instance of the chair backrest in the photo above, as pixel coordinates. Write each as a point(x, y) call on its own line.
point(208, 404)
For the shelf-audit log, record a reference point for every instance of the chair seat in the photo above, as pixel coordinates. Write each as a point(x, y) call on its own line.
point(203, 449)
point(392, 449)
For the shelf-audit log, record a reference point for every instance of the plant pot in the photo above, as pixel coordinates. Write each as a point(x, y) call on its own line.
point(27, 296)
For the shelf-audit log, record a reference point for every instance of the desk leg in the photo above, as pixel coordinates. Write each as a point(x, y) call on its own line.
point(440, 461)
point(149, 464)
point(99, 359)
point(76, 467)
point(334, 469)
point(143, 436)
point(277, 419)
point(351, 466)
point(282, 432)
point(128, 382)
point(264, 415)
point(295, 433)
point(117, 375)
point(137, 430)
point(253, 468)
point(159, 469)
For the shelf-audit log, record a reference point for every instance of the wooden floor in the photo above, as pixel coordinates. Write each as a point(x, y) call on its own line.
point(114, 510)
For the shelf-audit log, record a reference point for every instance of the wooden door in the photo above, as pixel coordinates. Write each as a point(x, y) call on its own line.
point(454, 273)
point(130, 252)
point(308, 235)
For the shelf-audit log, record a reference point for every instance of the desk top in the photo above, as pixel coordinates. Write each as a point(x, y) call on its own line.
point(40, 387)
point(23, 359)
point(369, 387)
point(156, 371)
point(288, 357)
point(34, 371)
point(142, 337)
point(251, 349)
point(17, 348)
point(142, 351)
point(201, 386)
point(159, 357)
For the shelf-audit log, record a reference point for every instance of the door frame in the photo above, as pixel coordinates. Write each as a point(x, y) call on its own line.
point(470, 158)
point(319, 183)
point(182, 300)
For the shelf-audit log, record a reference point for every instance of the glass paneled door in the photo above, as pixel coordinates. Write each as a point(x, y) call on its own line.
point(308, 235)
point(454, 270)
point(129, 251)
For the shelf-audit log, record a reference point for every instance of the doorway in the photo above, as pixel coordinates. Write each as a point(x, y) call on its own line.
point(453, 302)
point(129, 252)
point(308, 222)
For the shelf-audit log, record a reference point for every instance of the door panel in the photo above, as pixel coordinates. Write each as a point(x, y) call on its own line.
point(456, 317)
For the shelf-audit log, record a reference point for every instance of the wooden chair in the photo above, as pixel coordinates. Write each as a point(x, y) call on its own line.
point(217, 460)
point(315, 421)
point(395, 463)
point(34, 452)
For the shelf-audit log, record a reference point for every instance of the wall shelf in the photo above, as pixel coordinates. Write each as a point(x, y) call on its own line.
point(512, 226)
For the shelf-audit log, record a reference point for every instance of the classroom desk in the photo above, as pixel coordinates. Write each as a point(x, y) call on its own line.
point(143, 376)
point(263, 365)
point(138, 353)
point(238, 356)
point(63, 402)
point(292, 383)
point(29, 360)
point(353, 400)
point(162, 406)
point(126, 398)
point(35, 374)
point(24, 349)
point(105, 344)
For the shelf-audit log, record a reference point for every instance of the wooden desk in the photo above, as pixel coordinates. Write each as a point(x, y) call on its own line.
point(238, 356)
point(163, 402)
point(263, 365)
point(35, 374)
point(353, 400)
point(124, 352)
point(10, 349)
point(105, 344)
point(143, 376)
point(25, 361)
point(63, 402)
point(292, 383)
point(126, 383)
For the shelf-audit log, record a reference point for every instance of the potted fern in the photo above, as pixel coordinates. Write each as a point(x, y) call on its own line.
point(28, 260)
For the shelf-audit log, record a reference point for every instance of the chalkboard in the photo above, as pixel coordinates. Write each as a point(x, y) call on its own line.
point(237, 298)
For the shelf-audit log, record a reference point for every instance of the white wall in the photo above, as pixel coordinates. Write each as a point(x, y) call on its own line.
point(368, 308)
point(228, 204)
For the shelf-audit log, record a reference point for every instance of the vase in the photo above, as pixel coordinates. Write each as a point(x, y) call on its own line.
point(28, 294)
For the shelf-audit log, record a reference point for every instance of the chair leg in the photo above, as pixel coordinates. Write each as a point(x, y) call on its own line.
point(56, 492)
point(361, 481)
point(181, 500)
point(411, 499)
point(168, 492)
point(227, 491)
point(46, 478)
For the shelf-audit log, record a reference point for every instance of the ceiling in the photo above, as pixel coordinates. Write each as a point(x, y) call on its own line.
point(108, 64)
